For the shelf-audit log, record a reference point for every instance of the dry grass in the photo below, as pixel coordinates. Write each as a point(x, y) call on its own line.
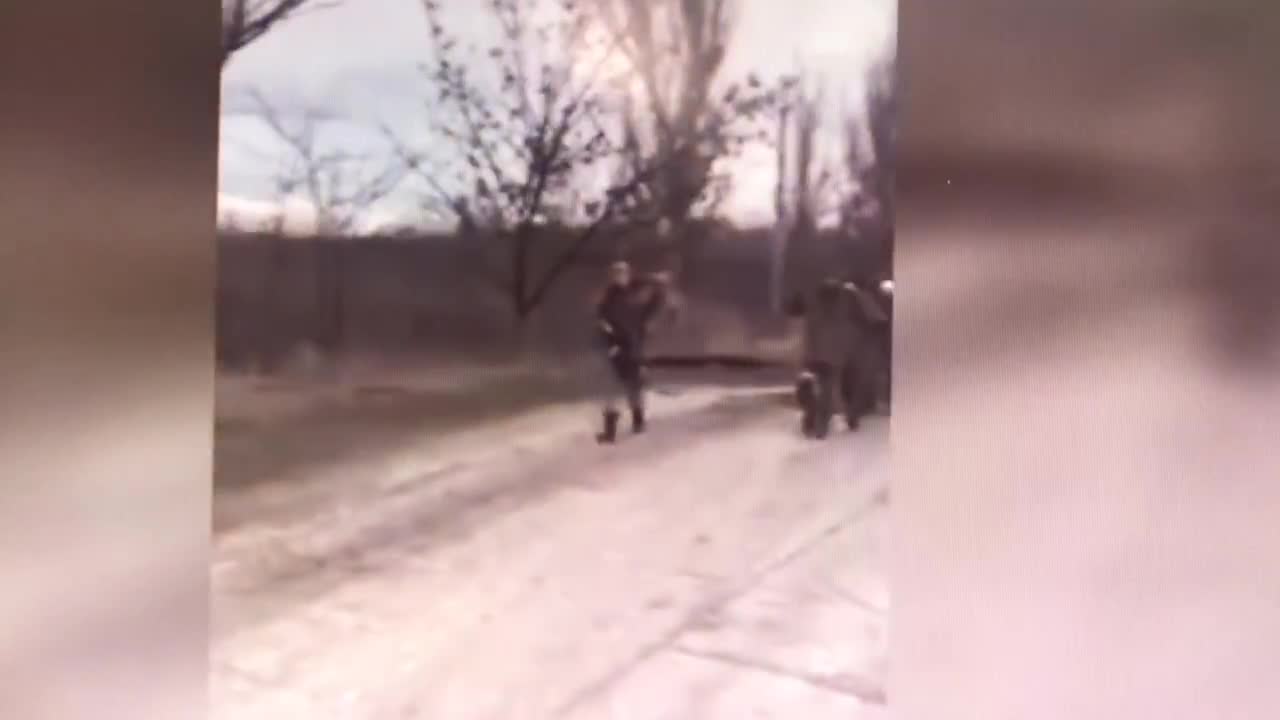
point(275, 430)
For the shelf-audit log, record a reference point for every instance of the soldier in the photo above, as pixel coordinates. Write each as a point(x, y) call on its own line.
point(868, 323)
point(624, 313)
point(885, 338)
point(826, 342)
point(837, 353)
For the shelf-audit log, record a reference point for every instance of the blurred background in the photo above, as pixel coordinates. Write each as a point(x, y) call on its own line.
point(1086, 361)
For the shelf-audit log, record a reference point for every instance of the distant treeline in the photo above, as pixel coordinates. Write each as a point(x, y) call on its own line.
point(443, 294)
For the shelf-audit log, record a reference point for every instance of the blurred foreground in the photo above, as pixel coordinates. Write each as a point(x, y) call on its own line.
point(1089, 362)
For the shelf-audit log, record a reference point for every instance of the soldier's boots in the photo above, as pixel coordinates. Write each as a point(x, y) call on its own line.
point(807, 397)
point(821, 422)
point(609, 434)
point(854, 409)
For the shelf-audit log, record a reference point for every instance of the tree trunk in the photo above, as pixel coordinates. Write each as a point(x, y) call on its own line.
point(338, 299)
point(520, 272)
point(673, 244)
point(524, 345)
point(322, 327)
point(778, 249)
point(271, 326)
point(778, 267)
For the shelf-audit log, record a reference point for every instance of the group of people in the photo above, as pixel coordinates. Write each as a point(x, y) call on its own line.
point(847, 352)
point(846, 348)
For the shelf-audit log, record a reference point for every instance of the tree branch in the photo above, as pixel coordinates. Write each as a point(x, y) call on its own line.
point(334, 182)
point(247, 21)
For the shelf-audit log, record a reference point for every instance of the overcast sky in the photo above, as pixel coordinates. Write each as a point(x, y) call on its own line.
point(362, 60)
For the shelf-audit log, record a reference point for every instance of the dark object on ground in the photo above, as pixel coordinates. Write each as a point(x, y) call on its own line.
point(817, 389)
point(858, 394)
point(815, 394)
point(609, 434)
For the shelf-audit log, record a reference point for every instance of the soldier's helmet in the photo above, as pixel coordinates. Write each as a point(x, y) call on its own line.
point(620, 272)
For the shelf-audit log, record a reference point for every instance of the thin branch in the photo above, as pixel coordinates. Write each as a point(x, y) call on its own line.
point(415, 166)
point(247, 21)
point(614, 197)
point(333, 182)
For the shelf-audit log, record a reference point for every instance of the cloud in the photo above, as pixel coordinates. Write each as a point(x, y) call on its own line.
point(297, 216)
point(372, 77)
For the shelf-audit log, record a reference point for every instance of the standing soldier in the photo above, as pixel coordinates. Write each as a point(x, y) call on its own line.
point(886, 342)
point(826, 344)
point(624, 313)
point(838, 352)
point(868, 323)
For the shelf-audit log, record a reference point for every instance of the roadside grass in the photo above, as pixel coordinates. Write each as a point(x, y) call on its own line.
point(275, 431)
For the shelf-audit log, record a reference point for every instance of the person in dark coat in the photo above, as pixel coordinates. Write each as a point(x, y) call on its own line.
point(624, 313)
point(839, 353)
point(864, 361)
point(884, 294)
point(826, 341)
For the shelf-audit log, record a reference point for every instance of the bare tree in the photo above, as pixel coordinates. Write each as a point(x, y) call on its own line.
point(869, 211)
point(782, 211)
point(340, 187)
point(246, 21)
point(528, 124)
point(809, 178)
point(684, 124)
point(804, 185)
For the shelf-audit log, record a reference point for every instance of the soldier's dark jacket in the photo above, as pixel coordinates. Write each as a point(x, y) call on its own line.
point(623, 315)
point(840, 323)
point(870, 323)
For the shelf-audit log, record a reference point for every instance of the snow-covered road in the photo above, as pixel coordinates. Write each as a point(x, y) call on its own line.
point(718, 567)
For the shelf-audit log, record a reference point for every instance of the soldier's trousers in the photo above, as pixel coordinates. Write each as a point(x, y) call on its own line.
point(622, 381)
point(815, 388)
point(884, 368)
point(819, 383)
point(857, 389)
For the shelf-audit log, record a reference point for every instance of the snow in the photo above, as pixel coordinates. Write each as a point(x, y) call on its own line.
point(547, 577)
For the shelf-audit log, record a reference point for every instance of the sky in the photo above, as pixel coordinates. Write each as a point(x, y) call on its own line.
point(361, 61)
